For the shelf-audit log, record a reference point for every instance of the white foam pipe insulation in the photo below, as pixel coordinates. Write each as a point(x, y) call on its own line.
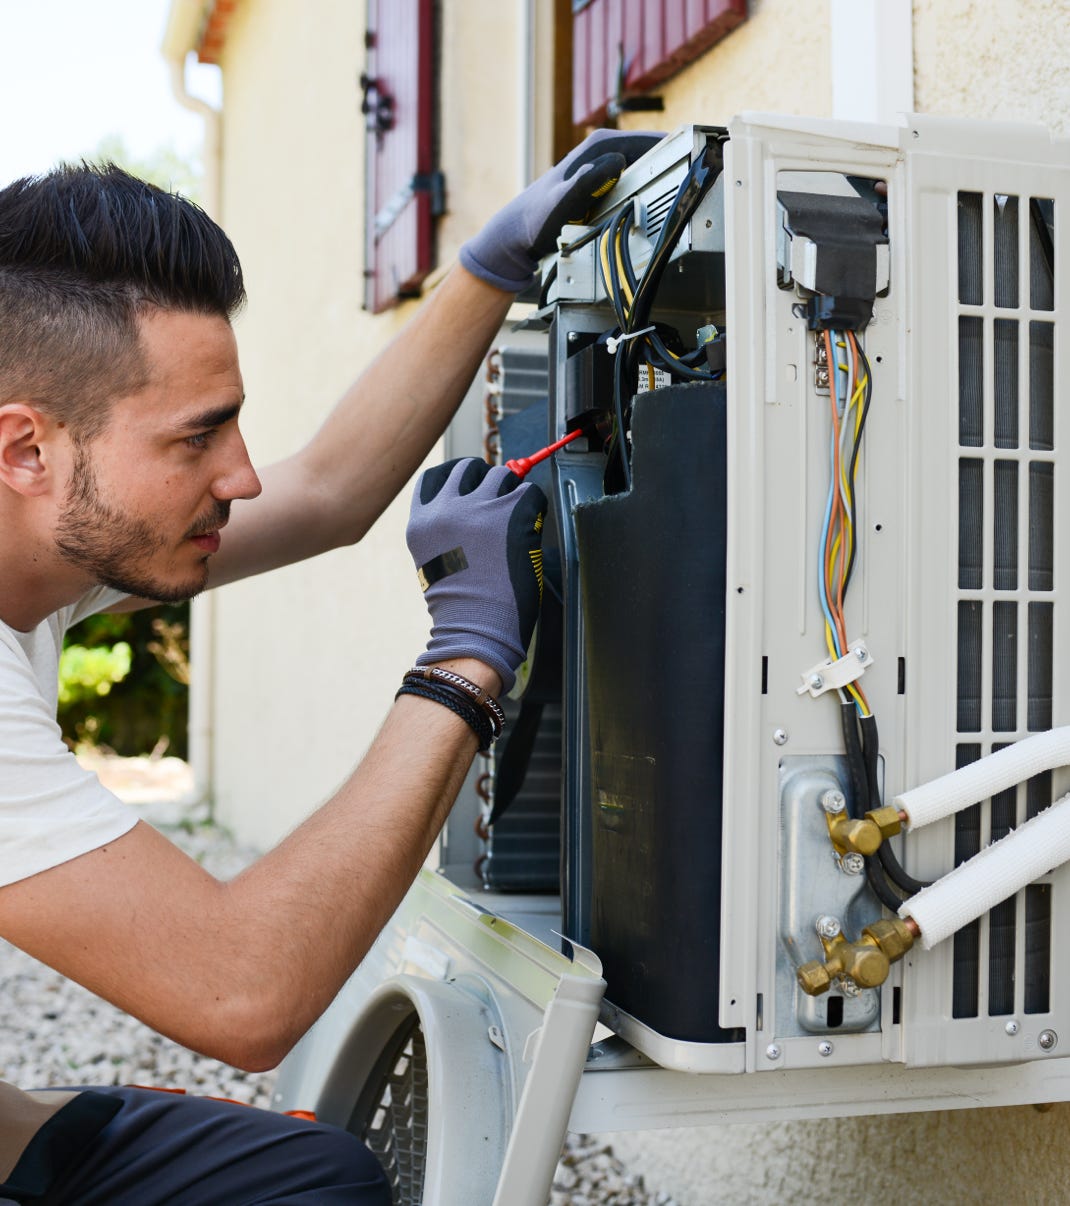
point(985, 778)
point(993, 875)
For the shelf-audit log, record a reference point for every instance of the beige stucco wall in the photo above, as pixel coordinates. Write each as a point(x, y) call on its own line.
point(306, 660)
point(1006, 61)
point(774, 62)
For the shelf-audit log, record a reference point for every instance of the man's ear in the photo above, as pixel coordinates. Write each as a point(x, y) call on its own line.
point(28, 444)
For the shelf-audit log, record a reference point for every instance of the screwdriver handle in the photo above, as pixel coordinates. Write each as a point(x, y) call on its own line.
point(524, 464)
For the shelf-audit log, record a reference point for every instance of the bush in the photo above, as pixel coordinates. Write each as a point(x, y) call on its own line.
point(85, 674)
point(124, 681)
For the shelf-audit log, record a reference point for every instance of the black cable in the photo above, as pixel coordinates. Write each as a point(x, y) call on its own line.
point(858, 803)
point(881, 888)
point(613, 284)
point(673, 364)
point(548, 280)
point(620, 443)
point(698, 181)
point(893, 868)
point(622, 228)
point(856, 767)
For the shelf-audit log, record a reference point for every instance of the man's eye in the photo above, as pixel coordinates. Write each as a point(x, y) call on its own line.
point(201, 440)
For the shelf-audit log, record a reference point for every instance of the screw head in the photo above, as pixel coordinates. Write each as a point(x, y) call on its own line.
point(849, 988)
point(1012, 1027)
point(573, 336)
point(827, 926)
point(780, 736)
point(817, 682)
point(825, 1048)
point(772, 1051)
point(860, 654)
point(1047, 1039)
point(853, 863)
point(833, 801)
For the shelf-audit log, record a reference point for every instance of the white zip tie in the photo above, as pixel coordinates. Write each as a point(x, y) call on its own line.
point(615, 340)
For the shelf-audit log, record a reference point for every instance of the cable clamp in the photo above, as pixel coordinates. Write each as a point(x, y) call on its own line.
point(613, 341)
point(832, 675)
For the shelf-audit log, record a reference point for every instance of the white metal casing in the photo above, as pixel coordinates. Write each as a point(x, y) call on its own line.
point(905, 599)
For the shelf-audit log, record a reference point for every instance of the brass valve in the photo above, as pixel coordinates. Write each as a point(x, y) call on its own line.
point(850, 834)
point(847, 833)
point(865, 963)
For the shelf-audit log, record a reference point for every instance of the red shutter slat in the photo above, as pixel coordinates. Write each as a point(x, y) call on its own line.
point(599, 78)
point(653, 45)
point(398, 220)
point(696, 16)
point(658, 38)
point(675, 27)
point(633, 38)
point(581, 65)
point(613, 39)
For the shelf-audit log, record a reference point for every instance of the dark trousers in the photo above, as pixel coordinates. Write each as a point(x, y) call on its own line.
point(191, 1151)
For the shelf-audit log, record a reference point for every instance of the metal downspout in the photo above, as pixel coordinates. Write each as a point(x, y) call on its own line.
point(202, 609)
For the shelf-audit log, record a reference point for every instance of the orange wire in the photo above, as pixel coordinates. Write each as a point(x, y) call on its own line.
point(853, 344)
point(835, 519)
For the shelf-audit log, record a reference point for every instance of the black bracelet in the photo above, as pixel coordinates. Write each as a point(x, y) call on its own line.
point(461, 696)
point(478, 694)
point(457, 703)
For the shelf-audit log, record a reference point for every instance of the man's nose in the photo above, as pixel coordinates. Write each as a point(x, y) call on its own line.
point(240, 480)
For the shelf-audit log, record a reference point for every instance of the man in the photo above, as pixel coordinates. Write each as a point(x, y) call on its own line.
point(120, 459)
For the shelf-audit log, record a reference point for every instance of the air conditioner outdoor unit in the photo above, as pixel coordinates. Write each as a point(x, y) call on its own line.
point(806, 561)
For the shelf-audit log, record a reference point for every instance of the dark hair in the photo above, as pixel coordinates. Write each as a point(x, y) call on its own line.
point(84, 251)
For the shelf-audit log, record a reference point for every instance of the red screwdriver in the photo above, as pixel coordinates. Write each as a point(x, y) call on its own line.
point(524, 464)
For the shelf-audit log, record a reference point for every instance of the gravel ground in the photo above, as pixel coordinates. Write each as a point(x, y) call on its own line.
point(54, 1032)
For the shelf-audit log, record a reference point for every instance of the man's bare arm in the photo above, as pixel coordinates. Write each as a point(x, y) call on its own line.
point(240, 970)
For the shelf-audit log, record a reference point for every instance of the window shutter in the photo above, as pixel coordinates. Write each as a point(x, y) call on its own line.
point(402, 190)
point(629, 46)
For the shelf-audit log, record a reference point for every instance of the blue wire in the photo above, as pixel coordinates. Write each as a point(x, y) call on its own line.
point(825, 525)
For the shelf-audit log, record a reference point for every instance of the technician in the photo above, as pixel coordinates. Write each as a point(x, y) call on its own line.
point(120, 459)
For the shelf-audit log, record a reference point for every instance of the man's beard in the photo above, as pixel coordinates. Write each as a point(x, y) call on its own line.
point(113, 548)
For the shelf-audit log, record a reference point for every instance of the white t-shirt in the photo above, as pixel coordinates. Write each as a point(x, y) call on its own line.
point(51, 810)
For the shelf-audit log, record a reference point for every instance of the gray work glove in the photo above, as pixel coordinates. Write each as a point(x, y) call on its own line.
point(506, 252)
point(475, 533)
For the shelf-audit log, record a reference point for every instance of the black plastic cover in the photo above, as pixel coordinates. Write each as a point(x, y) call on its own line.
point(652, 568)
point(846, 231)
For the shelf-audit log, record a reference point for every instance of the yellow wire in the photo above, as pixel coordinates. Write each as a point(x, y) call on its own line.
point(625, 288)
point(845, 536)
point(603, 257)
point(858, 695)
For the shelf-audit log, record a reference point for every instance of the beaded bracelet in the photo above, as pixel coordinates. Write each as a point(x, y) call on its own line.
point(478, 694)
point(457, 702)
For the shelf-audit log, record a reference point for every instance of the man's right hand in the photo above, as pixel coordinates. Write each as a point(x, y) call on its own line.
point(475, 533)
point(506, 252)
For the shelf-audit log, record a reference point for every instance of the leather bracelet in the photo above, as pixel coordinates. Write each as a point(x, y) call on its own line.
point(460, 705)
point(486, 725)
point(478, 694)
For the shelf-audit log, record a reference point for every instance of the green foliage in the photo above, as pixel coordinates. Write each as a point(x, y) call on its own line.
point(89, 673)
point(143, 708)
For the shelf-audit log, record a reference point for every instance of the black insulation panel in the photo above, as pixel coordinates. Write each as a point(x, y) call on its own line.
point(652, 568)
